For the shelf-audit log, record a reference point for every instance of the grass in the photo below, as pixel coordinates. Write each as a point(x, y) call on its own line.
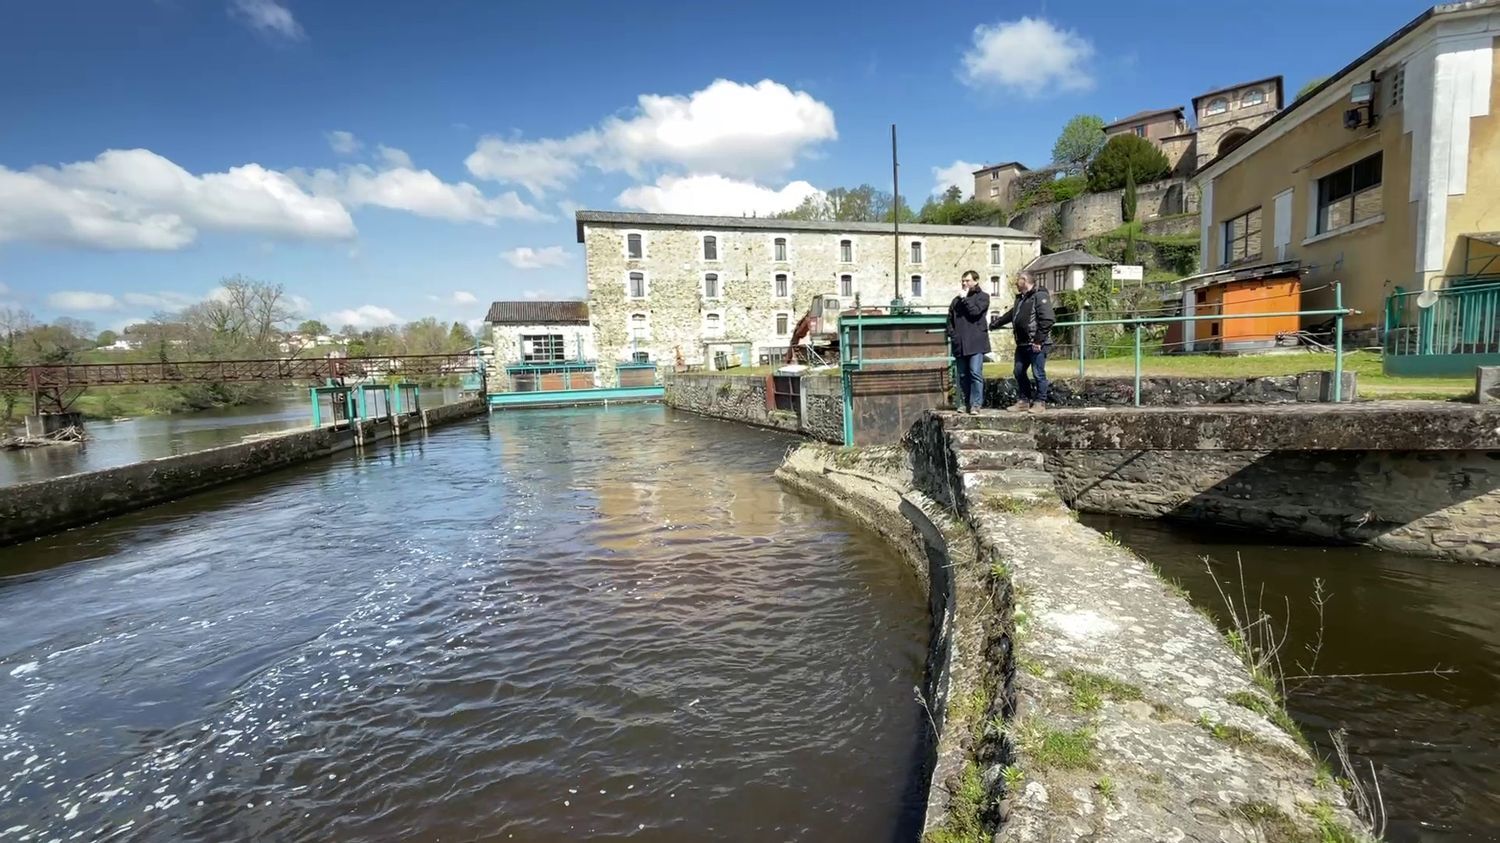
point(1373, 382)
point(1089, 690)
point(1061, 749)
point(1013, 778)
point(1272, 711)
point(964, 822)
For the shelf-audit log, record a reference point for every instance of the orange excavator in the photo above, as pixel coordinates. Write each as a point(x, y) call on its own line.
point(819, 327)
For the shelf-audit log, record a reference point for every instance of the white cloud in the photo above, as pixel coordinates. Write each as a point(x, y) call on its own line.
point(269, 17)
point(533, 294)
point(344, 143)
point(1029, 56)
point(418, 192)
point(960, 173)
point(165, 300)
point(362, 317)
point(738, 130)
point(525, 257)
point(464, 297)
point(392, 157)
point(136, 199)
point(80, 300)
point(714, 194)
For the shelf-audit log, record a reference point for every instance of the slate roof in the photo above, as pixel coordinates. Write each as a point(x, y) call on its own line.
point(538, 313)
point(1140, 116)
point(1068, 257)
point(625, 218)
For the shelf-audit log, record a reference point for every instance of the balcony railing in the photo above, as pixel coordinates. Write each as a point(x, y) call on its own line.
point(1460, 329)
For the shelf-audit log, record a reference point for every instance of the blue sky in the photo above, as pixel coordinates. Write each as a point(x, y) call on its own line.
point(391, 160)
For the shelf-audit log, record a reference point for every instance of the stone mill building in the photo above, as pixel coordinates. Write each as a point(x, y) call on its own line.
point(670, 288)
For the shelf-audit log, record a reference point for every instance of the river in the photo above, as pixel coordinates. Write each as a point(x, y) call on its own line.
point(113, 442)
point(542, 625)
point(1432, 737)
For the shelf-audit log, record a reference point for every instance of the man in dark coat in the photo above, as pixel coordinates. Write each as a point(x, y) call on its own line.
point(967, 330)
point(1031, 318)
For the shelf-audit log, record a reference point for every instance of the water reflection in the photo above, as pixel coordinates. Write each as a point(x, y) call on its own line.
point(1431, 737)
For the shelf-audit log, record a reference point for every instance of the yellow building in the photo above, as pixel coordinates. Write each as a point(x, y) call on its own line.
point(1385, 178)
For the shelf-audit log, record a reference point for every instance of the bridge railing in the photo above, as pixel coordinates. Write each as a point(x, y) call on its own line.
point(1338, 312)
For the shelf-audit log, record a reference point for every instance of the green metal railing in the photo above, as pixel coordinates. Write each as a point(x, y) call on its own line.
point(1338, 312)
point(1464, 319)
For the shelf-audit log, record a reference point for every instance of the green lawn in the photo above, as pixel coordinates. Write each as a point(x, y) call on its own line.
point(1373, 383)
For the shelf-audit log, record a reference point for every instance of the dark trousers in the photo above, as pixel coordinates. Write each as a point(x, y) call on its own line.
point(1036, 361)
point(970, 380)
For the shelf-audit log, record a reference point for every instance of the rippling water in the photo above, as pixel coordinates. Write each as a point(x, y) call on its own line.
point(550, 625)
point(1431, 737)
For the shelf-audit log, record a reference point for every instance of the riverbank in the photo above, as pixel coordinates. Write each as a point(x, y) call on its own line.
point(32, 509)
point(1074, 695)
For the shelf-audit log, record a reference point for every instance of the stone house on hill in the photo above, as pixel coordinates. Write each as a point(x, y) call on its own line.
point(1167, 129)
point(992, 183)
point(1226, 116)
point(665, 288)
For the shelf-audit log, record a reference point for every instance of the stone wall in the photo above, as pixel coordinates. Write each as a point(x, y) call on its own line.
point(29, 510)
point(1092, 214)
point(578, 344)
point(743, 398)
point(1430, 503)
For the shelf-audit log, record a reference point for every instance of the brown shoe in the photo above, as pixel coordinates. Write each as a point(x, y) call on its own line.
point(1038, 407)
point(1020, 406)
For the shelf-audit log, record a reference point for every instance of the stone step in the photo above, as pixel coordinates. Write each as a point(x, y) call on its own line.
point(991, 440)
point(993, 420)
point(976, 460)
point(1007, 478)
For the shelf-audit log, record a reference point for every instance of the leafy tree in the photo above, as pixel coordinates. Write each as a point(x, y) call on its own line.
point(1129, 258)
point(859, 204)
point(460, 338)
point(1311, 83)
point(1080, 141)
point(952, 210)
point(1128, 200)
point(106, 338)
point(1125, 154)
point(313, 328)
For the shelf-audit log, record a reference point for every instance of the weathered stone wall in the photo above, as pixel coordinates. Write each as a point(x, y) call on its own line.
point(578, 344)
point(743, 398)
point(747, 306)
point(1430, 503)
point(1308, 387)
point(1096, 213)
point(29, 510)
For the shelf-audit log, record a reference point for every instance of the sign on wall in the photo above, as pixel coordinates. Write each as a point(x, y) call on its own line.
point(1127, 272)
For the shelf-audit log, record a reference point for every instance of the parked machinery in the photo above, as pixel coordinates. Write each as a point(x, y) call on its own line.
point(816, 338)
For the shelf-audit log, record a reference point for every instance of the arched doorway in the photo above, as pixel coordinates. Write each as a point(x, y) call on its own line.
point(1232, 139)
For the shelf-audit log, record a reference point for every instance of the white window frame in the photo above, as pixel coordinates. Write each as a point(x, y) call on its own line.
point(853, 285)
point(1208, 110)
point(771, 248)
point(997, 249)
point(853, 248)
point(625, 244)
point(645, 282)
point(790, 288)
point(996, 282)
point(790, 325)
point(718, 246)
point(630, 336)
point(917, 279)
point(1258, 92)
point(718, 281)
point(921, 246)
point(722, 331)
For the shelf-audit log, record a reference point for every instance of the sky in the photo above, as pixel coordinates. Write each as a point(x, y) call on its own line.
point(387, 161)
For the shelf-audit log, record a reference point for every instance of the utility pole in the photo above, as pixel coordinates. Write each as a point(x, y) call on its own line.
point(896, 223)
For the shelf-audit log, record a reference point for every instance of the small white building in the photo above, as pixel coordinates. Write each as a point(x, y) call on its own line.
point(1063, 271)
point(539, 334)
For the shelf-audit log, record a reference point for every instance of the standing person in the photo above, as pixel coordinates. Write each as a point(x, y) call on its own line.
point(971, 339)
point(1031, 318)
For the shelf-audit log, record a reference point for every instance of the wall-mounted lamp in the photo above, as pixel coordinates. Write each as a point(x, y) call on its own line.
point(1362, 97)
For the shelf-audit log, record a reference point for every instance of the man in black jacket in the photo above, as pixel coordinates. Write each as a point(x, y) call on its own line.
point(970, 337)
point(1031, 318)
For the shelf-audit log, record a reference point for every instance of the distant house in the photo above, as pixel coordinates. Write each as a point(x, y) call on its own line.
point(538, 334)
point(1063, 271)
point(992, 182)
point(1167, 129)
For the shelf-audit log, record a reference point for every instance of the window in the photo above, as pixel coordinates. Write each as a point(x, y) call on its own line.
point(713, 324)
point(1140, 131)
point(846, 285)
point(1254, 96)
point(640, 326)
point(1395, 84)
point(994, 254)
point(916, 286)
point(636, 286)
point(916, 251)
point(710, 247)
point(782, 287)
point(994, 190)
point(710, 285)
point(542, 348)
point(1242, 237)
point(783, 321)
point(846, 251)
point(1349, 195)
point(635, 246)
point(994, 285)
point(994, 175)
point(640, 357)
point(1217, 105)
point(778, 249)
point(1059, 280)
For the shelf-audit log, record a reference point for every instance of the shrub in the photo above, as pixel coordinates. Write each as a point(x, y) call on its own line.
point(1123, 155)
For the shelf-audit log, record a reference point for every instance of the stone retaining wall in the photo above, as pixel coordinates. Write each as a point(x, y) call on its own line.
point(29, 510)
point(743, 398)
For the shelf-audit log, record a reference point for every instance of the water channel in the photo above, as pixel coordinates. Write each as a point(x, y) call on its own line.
point(1432, 738)
point(549, 625)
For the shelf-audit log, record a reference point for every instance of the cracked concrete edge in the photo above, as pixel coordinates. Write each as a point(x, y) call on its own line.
point(941, 551)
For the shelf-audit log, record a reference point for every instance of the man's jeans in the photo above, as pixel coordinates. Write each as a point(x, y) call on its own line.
point(1036, 361)
point(971, 379)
